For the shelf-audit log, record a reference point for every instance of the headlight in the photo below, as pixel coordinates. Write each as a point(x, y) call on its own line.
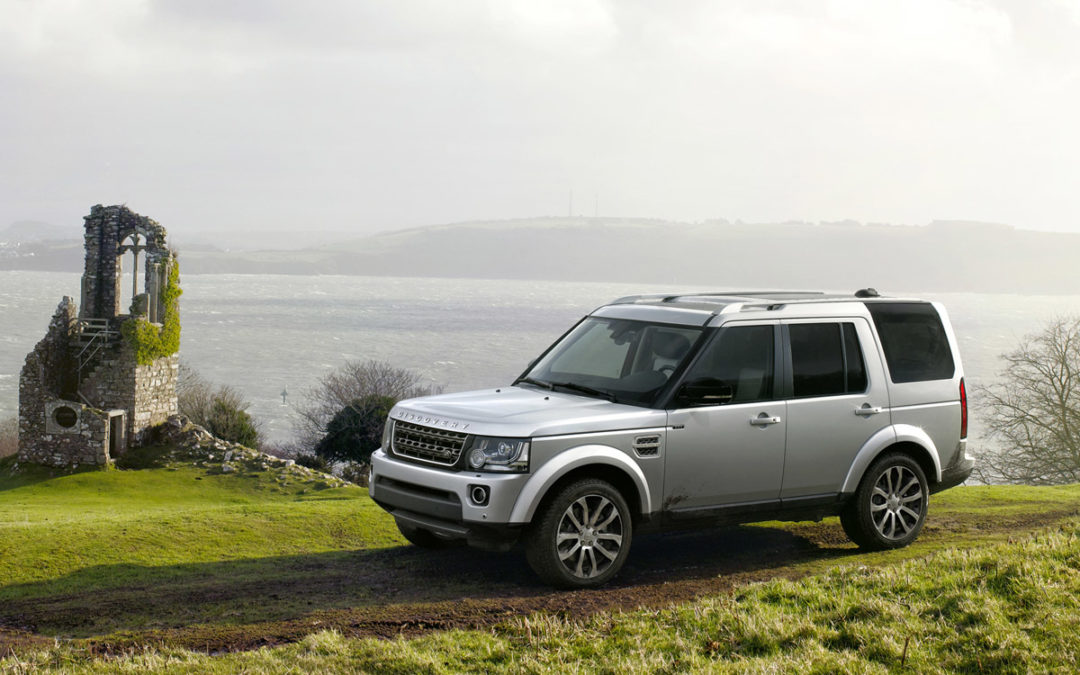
point(387, 435)
point(499, 454)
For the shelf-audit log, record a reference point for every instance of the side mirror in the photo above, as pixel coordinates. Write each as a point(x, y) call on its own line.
point(705, 392)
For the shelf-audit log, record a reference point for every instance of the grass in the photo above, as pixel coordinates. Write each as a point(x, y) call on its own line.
point(126, 538)
point(129, 552)
point(1008, 608)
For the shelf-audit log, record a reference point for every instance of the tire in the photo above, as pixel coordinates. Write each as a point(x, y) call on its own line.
point(424, 538)
point(581, 537)
point(889, 507)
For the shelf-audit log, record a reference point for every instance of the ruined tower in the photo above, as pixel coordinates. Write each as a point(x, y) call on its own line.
point(103, 375)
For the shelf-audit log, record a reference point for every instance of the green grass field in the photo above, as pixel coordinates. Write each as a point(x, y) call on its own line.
point(131, 557)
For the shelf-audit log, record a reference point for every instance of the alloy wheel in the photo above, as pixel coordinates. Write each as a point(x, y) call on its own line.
point(589, 536)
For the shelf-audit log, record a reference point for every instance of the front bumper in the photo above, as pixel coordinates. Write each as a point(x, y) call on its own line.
point(440, 501)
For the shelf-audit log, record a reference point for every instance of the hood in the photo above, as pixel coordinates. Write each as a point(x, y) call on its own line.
point(524, 412)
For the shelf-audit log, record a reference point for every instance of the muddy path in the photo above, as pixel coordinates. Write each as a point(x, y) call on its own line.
point(406, 591)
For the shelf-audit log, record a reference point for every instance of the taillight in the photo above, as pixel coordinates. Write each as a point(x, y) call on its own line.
point(963, 409)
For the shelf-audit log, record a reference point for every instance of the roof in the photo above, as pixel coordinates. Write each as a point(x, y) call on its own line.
point(691, 306)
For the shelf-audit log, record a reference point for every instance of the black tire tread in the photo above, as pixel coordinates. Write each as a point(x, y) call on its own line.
point(537, 551)
point(856, 520)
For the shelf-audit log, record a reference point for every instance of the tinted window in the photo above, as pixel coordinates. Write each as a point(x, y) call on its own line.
point(856, 367)
point(826, 359)
point(740, 357)
point(817, 359)
point(914, 341)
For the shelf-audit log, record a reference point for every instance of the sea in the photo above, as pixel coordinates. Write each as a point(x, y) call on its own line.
point(274, 336)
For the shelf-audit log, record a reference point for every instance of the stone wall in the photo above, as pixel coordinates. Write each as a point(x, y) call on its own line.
point(52, 430)
point(150, 391)
point(155, 395)
point(106, 228)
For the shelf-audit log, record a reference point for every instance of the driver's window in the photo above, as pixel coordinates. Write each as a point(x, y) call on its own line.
point(662, 349)
point(740, 358)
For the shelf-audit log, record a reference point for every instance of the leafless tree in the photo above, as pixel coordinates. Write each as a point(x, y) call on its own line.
point(353, 381)
point(220, 409)
point(9, 437)
point(1033, 412)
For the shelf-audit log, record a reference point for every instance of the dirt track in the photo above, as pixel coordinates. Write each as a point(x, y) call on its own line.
point(662, 570)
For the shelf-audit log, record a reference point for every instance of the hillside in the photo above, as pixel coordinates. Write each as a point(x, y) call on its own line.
point(182, 555)
point(942, 256)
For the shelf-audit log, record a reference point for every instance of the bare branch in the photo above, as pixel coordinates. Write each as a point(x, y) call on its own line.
point(1033, 412)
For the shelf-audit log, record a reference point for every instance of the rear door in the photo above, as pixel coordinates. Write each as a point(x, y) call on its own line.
point(837, 400)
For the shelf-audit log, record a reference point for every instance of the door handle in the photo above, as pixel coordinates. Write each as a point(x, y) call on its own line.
point(764, 420)
point(868, 410)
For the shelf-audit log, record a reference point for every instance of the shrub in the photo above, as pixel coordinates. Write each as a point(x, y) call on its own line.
point(339, 391)
point(220, 410)
point(356, 472)
point(356, 430)
point(314, 462)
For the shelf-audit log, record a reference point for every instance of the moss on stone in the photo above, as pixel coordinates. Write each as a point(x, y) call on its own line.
point(150, 341)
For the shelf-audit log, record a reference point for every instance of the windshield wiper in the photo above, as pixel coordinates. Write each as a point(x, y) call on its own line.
point(539, 383)
point(583, 389)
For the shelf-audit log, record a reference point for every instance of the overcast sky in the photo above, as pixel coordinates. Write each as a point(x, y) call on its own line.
point(366, 116)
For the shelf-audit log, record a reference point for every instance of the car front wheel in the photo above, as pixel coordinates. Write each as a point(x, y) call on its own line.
point(581, 537)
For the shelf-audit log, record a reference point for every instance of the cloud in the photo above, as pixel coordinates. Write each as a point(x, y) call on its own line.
point(415, 111)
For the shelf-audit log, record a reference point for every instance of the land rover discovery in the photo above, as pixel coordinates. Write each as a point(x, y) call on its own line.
point(662, 411)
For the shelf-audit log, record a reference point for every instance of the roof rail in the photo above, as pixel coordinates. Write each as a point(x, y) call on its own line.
point(767, 299)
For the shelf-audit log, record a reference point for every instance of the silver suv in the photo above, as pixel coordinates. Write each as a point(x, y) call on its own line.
point(665, 411)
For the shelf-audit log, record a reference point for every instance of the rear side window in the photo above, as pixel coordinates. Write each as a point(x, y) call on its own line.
point(825, 360)
point(913, 338)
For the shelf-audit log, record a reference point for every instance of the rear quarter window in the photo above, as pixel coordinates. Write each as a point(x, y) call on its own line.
point(914, 340)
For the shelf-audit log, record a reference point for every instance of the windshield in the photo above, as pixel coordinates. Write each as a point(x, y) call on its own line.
point(618, 359)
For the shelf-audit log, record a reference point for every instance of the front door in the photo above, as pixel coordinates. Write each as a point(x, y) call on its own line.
point(729, 450)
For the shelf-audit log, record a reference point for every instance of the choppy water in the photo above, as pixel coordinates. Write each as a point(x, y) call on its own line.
point(263, 333)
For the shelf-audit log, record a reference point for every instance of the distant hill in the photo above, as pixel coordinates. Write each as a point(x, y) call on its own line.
point(25, 231)
point(941, 256)
point(945, 255)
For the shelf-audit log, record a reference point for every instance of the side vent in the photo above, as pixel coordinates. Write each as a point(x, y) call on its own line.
point(647, 446)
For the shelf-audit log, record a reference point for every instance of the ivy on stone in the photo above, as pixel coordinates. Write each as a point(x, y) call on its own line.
point(148, 340)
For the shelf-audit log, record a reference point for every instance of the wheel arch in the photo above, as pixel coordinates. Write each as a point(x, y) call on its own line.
point(589, 461)
point(910, 440)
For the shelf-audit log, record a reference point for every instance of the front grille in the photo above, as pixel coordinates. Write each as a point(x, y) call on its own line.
point(428, 444)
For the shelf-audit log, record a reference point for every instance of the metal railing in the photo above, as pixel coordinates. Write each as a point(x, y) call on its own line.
point(94, 336)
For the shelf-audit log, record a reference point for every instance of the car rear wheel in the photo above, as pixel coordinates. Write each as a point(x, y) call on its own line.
point(889, 507)
point(581, 537)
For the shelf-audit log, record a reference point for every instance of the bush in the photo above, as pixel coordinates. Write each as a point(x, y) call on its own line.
point(222, 410)
point(362, 387)
point(356, 472)
point(314, 462)
point(230, 421)
point(9, 437)
point(356, 430)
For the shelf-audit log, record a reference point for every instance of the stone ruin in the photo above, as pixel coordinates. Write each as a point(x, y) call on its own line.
point(83, 395)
